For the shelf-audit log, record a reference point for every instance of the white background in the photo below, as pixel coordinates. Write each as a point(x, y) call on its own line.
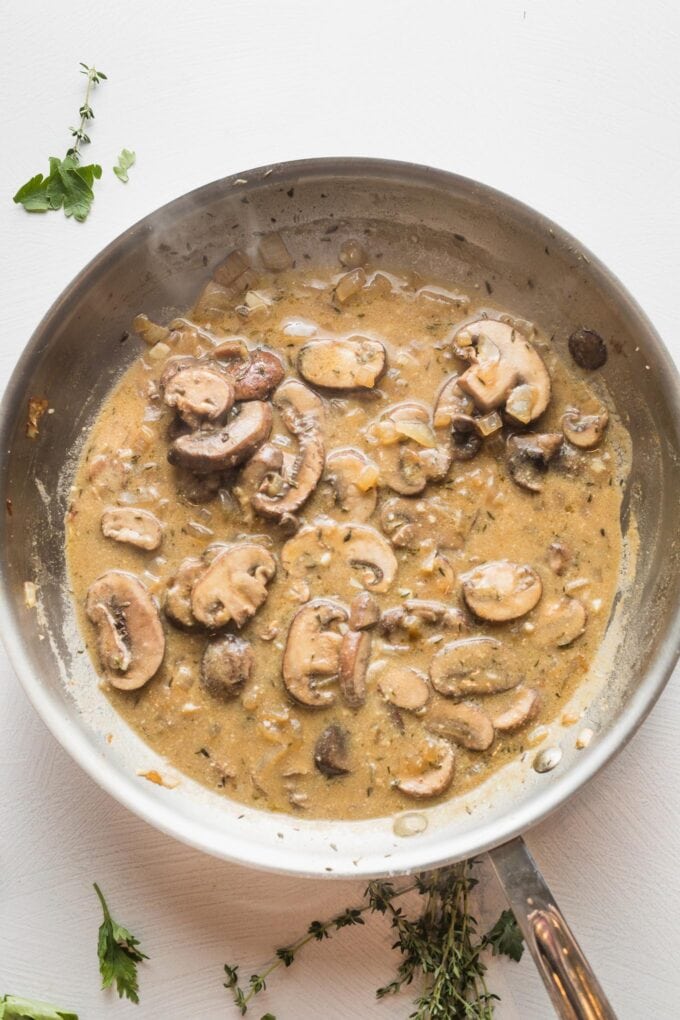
point(571, 106)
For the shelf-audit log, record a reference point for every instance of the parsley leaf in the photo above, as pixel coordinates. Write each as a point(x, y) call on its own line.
point(118, 955)
point(67, 186)
point(126, 159)
point(505, 938)
point(15, 1007)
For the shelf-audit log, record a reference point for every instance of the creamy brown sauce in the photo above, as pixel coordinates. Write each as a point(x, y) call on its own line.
point(257, 744)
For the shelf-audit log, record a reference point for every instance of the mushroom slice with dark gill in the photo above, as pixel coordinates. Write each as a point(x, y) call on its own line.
point(254, 374)
point(406, 448)
point(404, 688)
point(130, 639)
point(354, 479)
point(522, 709)
point(413, 614)
point(469, 667)
point(506, 370)
point(584, 430)
point(331, 752)
point(177, 605)
point(412, 523)
point(234, 586)
point(528, 457)
point(434, 780)
point(198, 391)
point(133, 526)
point(312, 654)
point(500, 590)
point(356, 363)
point(355, 654)
point(303, 415)
point(560, 622)
point(453, 422)
point(207, 450)
point(463, 723)
point(325, 542)
point(364, 612)
point(226, 665)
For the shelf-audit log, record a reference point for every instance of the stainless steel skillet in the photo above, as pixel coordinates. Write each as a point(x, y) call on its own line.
point(438, 224)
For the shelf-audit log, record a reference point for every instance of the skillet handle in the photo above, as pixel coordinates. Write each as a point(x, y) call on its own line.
point(572, 986)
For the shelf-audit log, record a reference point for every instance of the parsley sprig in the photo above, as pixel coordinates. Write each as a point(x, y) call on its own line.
point(16, 1007)
point(118, 954)
point(68, 185)
point(440, 946)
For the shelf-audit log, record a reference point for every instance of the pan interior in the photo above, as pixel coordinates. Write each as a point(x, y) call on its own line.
point(440, 226)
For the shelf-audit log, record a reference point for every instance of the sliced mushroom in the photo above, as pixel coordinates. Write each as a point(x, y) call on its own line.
point(404, 688)
point(354, 479)
point(500, 590)
point(355, 363)
point(453, 422)
point(303, 415)
point(206, 451)
point(584, 430)
point(528, 456)
point(262, 473)
point(412, 614)
point(434, 781)
point(234, 586)
point(588, 349)
point(560, 622)
point(130, 639)
point(364, 612)
point(132, 525)
point(524, 707)
point(312, 655)
point(196, 390)
point(359, 545)
point(355, 654)
point(470, 667)
point(407, 449)
point(226, 665)
point(331, 752)
point(463, 723)
point(178, 593)
point(506, 369)
point(410, 523)
point(254, 374)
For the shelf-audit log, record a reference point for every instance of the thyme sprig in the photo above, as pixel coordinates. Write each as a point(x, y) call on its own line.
point(440, 946)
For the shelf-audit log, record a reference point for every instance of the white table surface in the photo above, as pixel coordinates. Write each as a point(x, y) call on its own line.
point(571, 106)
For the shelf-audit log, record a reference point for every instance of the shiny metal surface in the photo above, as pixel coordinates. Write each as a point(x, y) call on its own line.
point(424, 219)
point(572, 986)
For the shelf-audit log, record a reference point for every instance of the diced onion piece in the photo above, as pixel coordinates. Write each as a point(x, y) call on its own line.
point(349, 284)
point(489, 424)
point(30, 595)
point(386, 433)
point(255, 301)
point(274, 254)
point(159, 351)
point(418, 431)
point(367, 478)
point(150, 332)
point(520, 403)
